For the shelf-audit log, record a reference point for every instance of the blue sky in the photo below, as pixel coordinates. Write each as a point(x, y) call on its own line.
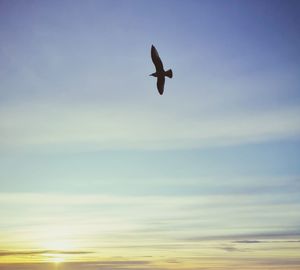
point(85, 136)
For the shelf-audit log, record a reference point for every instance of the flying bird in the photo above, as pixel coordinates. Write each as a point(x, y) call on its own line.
point(160, 73)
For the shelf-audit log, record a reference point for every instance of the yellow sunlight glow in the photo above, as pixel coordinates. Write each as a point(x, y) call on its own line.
point(57, 260)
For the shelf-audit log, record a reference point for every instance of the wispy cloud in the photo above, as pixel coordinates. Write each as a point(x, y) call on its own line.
point(265, 241)
point(40, 252)
point(134, 128)
point(191, 263)
point(229, 248)
point(124, 262)
point(94, 265)
point(247, 241)
point(281, 236)
point(145, 224)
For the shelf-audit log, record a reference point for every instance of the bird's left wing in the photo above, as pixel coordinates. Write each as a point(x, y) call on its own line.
point(156, 59)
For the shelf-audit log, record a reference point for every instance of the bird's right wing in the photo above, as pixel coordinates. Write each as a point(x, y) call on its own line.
point(160, 84)
point(156, 59)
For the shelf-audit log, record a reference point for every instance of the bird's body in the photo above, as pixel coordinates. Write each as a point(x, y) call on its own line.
point(160, 73)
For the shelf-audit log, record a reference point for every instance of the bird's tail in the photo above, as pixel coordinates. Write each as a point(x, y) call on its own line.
point(169, 73)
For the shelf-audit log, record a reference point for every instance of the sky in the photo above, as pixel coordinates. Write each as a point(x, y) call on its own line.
point(98, 171)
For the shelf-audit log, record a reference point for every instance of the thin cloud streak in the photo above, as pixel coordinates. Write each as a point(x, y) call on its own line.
point(41, 252)
point(185, 263)
point(208, 200)
point(265, 241)
point(263, 235)
point(97, 264)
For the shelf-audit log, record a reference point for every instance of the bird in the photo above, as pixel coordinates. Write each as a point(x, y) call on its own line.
point(160, 73)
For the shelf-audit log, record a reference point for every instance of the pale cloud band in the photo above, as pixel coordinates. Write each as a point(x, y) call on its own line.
point(135, 128)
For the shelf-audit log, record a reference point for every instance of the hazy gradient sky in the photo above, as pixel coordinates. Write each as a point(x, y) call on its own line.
point(98, 171)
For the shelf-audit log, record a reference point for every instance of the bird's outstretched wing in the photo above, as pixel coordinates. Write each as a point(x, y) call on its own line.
point(160, 84)
point(156, 59)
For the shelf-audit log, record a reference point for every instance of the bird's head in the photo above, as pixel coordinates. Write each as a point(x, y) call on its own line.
point(153, 74)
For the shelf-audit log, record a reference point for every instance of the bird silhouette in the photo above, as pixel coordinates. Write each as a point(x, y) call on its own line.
point(160, 73)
